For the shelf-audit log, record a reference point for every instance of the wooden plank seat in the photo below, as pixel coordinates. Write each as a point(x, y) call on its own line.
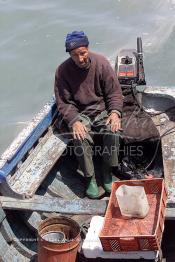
point(55, 204)
point(58, 205)
point(28, 177)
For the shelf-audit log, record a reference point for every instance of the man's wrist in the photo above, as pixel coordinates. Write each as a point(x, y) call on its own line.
point(115, 111)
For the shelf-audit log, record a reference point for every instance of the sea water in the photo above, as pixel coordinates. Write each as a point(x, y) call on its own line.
point(32, 35)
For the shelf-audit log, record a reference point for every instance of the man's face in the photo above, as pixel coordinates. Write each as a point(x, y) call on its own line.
point(80, 56)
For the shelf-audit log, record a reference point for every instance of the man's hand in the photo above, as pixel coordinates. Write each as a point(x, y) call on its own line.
point(114, 121)
point(79, 130)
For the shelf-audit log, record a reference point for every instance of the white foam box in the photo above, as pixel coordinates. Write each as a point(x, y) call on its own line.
point(92, 247)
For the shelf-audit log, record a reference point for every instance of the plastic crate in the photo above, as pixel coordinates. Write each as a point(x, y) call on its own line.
point(119, 234)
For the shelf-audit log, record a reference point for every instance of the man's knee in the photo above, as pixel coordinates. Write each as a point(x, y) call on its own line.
point(82, 147)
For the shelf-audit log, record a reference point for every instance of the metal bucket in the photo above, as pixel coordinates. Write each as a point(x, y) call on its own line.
point(58, 239)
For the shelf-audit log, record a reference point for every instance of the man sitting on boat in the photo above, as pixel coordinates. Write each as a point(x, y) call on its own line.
point(89, 99)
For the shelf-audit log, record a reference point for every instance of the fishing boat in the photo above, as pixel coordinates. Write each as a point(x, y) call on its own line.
point(40, 177)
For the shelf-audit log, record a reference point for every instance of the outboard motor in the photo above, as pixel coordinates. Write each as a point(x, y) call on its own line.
point(138, 127)
point(129, 66)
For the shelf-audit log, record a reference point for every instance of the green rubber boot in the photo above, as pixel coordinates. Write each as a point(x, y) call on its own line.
point(107, 178)
point(92, 190)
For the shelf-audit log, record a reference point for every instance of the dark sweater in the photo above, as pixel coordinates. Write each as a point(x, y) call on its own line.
point(88, 91)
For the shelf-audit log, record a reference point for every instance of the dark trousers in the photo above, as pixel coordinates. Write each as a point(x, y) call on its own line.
point(84, 148)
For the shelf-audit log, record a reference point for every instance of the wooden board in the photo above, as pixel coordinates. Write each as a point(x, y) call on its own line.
point(166, 129)
point(36, 167)
point(59, 205)
point(53, 204)
point(167, 132)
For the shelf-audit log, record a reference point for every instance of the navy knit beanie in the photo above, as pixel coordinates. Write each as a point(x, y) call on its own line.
point(76, 39)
